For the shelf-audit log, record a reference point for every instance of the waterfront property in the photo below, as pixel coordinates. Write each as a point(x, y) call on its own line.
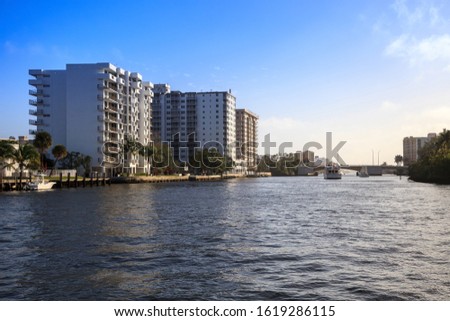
point(247, 139)
point(190, 120)
point(94, 109)
point(412, 146)
point(100, 110)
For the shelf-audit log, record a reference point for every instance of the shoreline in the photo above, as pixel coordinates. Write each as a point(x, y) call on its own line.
point(10, 184)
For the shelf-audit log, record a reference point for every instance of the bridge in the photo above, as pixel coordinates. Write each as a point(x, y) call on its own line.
point(372, 170)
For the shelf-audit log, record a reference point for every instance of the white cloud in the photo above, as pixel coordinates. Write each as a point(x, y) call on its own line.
point(436, 47)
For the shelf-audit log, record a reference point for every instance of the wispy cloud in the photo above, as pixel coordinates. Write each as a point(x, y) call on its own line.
point(436, 47)
point(410, 16)
point(423, 13)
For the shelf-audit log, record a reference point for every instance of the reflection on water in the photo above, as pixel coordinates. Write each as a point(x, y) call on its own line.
point(253, 239)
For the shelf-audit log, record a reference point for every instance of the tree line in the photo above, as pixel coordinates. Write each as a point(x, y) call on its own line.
point(32, 156)
point(433, 165)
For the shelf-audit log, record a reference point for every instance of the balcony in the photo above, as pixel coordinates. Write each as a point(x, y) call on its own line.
point(36, 102)
point(112, 109)
point(115, 150)
point(35, 122)
point(32, 132)
point(106, 76)
point(36, 82)
point(34, 112)
point(109, 159)
point(136, 85)
point(112, 130)
point(101, 129)
point(37, 92)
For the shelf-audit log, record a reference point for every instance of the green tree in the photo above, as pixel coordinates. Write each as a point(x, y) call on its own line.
point(147, 152)
point(85, 162)
point(59, 152)
point(209, 161)
point(26, 157)
point(433, 165)
point(398, 159)
point(6, 149)
point(42, 142)
point(162, 159)
point(132, 148)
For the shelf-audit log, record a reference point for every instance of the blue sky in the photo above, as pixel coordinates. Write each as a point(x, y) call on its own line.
point(370, 72)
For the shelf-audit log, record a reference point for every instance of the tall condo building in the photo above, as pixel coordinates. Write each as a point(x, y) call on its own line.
point(94, 109)
point(247, 138)
point(412, 146)
point(194, 120)
point(174, 120)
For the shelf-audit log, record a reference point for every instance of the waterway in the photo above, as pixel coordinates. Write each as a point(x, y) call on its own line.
point(292, 238)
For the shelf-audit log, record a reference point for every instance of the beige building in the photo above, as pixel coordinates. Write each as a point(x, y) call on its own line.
point(247, 139)
point(13, 170)
point(412, 146)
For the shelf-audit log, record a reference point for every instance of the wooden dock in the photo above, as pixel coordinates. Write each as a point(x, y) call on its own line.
point(13, 184)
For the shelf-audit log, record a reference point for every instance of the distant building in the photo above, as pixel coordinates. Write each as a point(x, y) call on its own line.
point(94, 109)
point(306, 156)
point(8, 171)
point(194, 120)
point(247, 138)
point(412, 146)
point(174, 120)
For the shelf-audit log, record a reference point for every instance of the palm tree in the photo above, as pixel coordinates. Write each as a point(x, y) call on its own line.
point(132, 146)
point(59, 152)
point(42, 142)
point(147, 152)
point(85, 162)
point(398, 159)
point(26, 156)
point(6, 150)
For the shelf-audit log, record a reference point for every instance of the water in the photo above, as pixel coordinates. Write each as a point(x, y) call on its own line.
point(296, 238)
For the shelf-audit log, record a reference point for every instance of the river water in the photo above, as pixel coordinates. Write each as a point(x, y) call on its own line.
point(293, 238)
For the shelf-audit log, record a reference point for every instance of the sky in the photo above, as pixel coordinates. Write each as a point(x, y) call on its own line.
point(369, 72)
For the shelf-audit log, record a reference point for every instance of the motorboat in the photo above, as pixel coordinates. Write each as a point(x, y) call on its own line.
point(39, 184)
point(332, 171)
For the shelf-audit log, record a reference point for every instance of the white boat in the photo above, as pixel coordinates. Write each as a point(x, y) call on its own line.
point(39, 184)
point(332, 172)
point(363, 172)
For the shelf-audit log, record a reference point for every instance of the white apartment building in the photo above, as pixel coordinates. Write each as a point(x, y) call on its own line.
point(94, 109)
point(247, 139)
point(194, 120)
point(216, 121)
